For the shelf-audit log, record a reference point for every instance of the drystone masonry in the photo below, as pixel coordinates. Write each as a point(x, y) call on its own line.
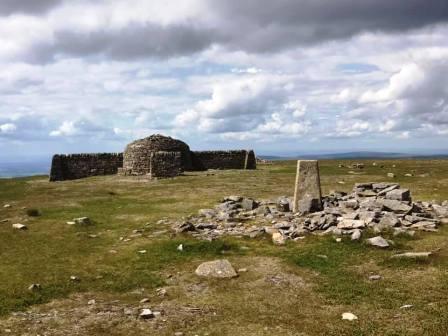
point(154, 156)
point(76, 166)
point(165, 164)
point(137, 155)
point(232, 159)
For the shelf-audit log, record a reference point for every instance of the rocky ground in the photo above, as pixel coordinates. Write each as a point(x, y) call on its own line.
point(376, 206)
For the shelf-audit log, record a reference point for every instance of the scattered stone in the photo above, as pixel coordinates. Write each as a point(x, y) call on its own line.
point(185, 227)
point(235, 199)
point(356, 235)
point(263, 210)
point(207, 213)
point(242, 270)
point(82, 221)
point(349, 316)
point(412, 255)
point(19, 226)
point(144, 300)
point(399, 195)
point(350, 204)
point(391, 175)
point(146, 314)
point(161, 292)
point(249, 204)
point(216, 269)
point(440, 210)
point(396, 206)
point(375, 277)
point(91, 302)
point(74, 278)
point(408, 175)
point(180, 247)
point(377, 206)
point(278, 239)
point(378, 241)
point(34, 287)
point(407, 306)
point(388, 220)
point(142, 251)
point(178, 333)
point(283, 204)
point(351, 224)
point(6, 206)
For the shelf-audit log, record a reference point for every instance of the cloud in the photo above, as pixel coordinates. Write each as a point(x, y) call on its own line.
point(8, 7)
point(7, 128)
point(249, 107)
point(67, 128)
point(275, 25)
point(86, 73)
point(84, 128)
point(114, 30)
point(238, 104)
point(415, 99)
point(135, 41)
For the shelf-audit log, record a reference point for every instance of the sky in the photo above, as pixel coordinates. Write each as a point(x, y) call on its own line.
point(281, 77)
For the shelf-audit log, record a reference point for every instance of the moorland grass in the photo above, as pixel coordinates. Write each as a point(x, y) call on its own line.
point(50, 251)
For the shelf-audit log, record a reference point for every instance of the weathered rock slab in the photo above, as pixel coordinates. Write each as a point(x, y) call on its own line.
point(378, 241)
point(216, 269)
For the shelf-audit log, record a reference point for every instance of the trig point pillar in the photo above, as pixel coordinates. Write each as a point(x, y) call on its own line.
point(307, 193)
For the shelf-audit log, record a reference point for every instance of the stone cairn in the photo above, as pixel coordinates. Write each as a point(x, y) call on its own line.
point(376, 206)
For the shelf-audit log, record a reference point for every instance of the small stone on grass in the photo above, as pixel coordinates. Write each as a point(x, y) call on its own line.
point(349, 316)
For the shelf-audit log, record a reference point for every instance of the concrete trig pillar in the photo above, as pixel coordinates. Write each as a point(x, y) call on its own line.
point(307, 192)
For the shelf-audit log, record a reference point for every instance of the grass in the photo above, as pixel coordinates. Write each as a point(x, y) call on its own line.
point(50, 251)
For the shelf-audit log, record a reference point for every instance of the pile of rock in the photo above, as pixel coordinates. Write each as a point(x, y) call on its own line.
point(378, 206)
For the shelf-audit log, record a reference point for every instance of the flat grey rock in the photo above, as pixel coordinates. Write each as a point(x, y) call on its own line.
point(412, 255)
point(399, 195)
point(216, 269)
point(396, 206)
point(378, 241)
point(351, 224)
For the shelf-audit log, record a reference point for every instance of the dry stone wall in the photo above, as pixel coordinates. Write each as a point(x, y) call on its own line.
point(232, 159)
point(154, 156)
point(76, 166)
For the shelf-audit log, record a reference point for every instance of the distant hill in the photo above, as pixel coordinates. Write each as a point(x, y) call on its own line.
point(353, 155)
